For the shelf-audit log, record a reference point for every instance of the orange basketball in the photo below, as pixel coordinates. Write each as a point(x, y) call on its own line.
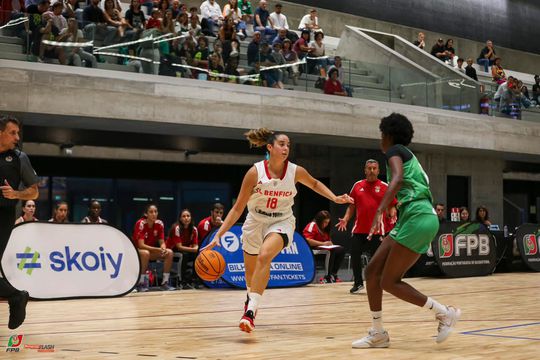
point(210, 265)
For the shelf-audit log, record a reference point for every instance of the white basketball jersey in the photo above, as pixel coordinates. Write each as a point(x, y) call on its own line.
point(272, 199)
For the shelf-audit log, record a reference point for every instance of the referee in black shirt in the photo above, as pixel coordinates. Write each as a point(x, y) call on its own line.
point(15, 170)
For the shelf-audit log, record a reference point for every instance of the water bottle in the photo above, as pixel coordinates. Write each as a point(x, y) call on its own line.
point(146, 281)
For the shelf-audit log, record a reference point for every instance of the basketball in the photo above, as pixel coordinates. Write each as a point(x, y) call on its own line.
point(210, 265)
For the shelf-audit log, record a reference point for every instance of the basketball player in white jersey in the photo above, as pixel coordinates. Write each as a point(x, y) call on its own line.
point(268, 190)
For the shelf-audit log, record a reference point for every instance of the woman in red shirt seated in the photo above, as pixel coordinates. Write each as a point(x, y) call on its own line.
point(333, 86)
point(317, 234)
point(183, 238)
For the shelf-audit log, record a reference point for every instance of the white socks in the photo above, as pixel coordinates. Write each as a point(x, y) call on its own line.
point(165, 278)
point(254, 300)
point(141, 279)
point(376, 317)
point(435, 306)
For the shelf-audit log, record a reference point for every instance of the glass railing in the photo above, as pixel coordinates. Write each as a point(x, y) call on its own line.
point(152, 52)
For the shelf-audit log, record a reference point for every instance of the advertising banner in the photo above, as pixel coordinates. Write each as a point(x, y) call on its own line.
point(465, 249)
point(294, 266)
point(528, 243)
point(56, 261)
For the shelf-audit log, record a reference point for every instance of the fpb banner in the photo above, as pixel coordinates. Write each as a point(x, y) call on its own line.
point(57, 261)
point(465, 249)
point(294, 266)
point(528, 243)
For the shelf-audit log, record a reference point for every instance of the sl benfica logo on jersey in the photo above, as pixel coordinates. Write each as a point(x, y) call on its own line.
point(377, 189)
point(9, 158)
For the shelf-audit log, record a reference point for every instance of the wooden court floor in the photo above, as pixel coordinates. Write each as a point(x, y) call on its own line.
point(500, 320)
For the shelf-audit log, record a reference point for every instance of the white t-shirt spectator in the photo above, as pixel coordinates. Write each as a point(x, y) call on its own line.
point(279, 21)
point(306, 20)
point(319, 50)
point(209, 11)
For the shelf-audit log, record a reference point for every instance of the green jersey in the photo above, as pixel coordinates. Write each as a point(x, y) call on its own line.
point(415, 181)
point(245, 7)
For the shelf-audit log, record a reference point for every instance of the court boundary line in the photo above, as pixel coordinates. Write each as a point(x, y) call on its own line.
point(480, 332)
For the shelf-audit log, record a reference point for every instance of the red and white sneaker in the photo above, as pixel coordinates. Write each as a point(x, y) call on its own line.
point(247, 323)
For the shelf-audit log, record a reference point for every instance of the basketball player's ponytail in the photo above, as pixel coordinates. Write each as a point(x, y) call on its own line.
point(260, 137)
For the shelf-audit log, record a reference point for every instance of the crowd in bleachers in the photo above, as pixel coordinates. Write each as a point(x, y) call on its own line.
point(510, 95)
point(206, 43)
point(202, 43)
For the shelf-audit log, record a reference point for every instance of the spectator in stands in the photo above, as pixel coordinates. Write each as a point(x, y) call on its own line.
point(301, 46)
point(167, 24)
point(163, 5)
point(154, 22)
point(439, 50)
point(254, 48)
point(318, 65)
point(211, 12)
point(56, 15)
point(183, 238)
point(194, 27)
point(114, 18)
point(459, 66)
point(28, 211)
point(227, 32)
point(246, 10)
point(310, 22)
point(76, 55)
point(440, 209)
point(464, 214)
point(524, 101)
point(35, 23)
point(290, 57)
point(280, 37)
point(232, 70)
point(482, 216)
point(525, 92)
point(149, 239)
point(487, 56)
point(341, 74)
point(231, 10)
point(71, 8)
point(48, 31)
point(135, 18)
point(452, 58)
point(211, 222)
point(94, 23)
point(279, 59)
point(279, 20)
point(317, 235)
point(60, 213)
point(503, 89)
point(175, 8)
point(419, 42)
point(273, 77)
point(333, 86)
point(497, 72)
point(470, 71)
point(536, 90)
point(218, 50)
point(181, 25)
point(215, 67)
point(263, 22)
point(200, 58)
point(94, 214)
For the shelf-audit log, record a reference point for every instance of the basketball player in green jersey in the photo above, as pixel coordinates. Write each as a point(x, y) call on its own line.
point(416, 227)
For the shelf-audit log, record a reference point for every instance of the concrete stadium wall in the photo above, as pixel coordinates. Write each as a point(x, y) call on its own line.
point(446, 142)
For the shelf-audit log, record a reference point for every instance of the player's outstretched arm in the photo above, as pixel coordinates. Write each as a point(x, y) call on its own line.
point(249, 182)
point(303, 177)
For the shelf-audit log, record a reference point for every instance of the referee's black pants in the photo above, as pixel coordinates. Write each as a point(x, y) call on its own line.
point(361, 245)
point(7, 220)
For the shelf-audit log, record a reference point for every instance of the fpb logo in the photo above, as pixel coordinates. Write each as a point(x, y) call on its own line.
point(446, 245)
point(530, 245)
point(230, 241)
point(28, 260)
point(14, 343)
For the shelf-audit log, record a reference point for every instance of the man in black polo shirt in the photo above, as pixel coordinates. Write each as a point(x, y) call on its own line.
point(15, 169)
